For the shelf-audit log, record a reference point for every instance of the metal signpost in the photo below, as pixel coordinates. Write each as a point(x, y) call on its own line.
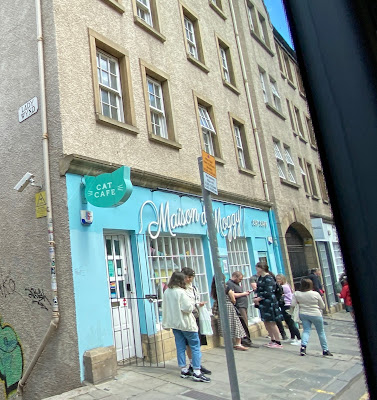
point(207, 163)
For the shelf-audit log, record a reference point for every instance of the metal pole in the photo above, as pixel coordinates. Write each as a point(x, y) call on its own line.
point(220, 285)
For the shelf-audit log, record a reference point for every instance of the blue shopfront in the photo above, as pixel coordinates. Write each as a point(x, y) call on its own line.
point(122, 259)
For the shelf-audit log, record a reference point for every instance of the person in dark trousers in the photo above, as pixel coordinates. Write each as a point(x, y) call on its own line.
point(242, 304)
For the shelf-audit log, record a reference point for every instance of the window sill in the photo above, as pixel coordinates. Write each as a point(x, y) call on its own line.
point(231, 87)
point(219, 161)
point(163, 141)
point(154, 32)
point(291, 84)
point(302, 94)
point(197, 63)
point(314, 147)
point(262, 43)
point(302, 139)
point(117, 124)
point(316, 198)
point(289, 183)
point(218, 10)
point(115, 5)
point(275, 111)
point(325, 201)
point(283, 75)
point(246, 171)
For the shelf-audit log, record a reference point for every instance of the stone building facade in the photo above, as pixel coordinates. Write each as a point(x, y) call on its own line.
point(140, 84)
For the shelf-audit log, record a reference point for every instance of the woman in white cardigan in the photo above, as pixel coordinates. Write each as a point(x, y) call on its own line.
point(177, 315)
point(310, 305)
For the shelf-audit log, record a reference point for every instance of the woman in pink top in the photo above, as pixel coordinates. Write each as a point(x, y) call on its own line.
point(287, 297)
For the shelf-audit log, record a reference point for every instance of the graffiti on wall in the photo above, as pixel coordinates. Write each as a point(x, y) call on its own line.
point(11, 358)
point(7, 286)
point(38, 297)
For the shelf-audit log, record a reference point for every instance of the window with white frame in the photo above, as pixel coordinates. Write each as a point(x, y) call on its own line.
point(251, 16)
point(157, 109)
point(110, 86)
point(208, 130)
point(239, 144)
point(291, 116)
point(263, 31)
point(290, 165)
point(303, 175)
point(239, 260)
point(275, 95)
point(144, 11)
point(167, 254)
point(263, 78)
point(279, 160)
point(190, 37)
point(224, 63)
point(313, 184)
point(288, 66)
point(322, 185)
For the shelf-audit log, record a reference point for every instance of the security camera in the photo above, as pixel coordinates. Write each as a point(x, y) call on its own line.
point(25, 180)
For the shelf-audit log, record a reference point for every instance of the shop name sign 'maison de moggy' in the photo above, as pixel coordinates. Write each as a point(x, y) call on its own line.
point(165, 221)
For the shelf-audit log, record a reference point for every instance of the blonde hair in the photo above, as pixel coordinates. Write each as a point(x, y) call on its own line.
point(282, 277)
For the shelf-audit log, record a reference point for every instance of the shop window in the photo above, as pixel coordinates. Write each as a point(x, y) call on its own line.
point(239, 260)
point(168, 254)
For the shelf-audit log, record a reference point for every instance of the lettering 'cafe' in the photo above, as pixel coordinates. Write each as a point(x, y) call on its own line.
point(133, 240)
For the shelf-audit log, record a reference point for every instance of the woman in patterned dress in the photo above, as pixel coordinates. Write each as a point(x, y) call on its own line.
point(237, 331)
point(268, 304)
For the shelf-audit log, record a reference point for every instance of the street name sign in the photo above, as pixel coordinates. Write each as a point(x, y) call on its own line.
point(28, 109)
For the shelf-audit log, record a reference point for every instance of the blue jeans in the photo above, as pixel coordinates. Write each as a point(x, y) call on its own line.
point(192, 338)
point(317, 321)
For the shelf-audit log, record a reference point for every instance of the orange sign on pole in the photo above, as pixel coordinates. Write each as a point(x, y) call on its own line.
point(209, 164)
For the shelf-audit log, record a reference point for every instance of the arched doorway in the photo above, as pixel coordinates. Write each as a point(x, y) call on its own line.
point(297, 257)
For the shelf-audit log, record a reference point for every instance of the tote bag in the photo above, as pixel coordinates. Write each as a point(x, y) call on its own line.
point(205, 321)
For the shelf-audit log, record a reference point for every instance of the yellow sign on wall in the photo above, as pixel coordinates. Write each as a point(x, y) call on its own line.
point(209, 164)
point(40, 205)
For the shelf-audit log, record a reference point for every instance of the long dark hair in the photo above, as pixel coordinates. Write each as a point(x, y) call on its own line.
point(177, 280)
point(213, 288)
point(262, 265)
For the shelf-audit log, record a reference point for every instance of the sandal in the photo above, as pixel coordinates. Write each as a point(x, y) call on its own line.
point(240, 347)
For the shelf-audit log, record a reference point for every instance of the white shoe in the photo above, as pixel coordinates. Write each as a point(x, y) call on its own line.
point(295, 342)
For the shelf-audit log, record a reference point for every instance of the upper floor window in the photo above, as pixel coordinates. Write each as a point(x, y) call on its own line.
point(110, 88)
point(290, 165)
point(113, 98)
point(279, 160)
point(157, 110)
point(263, 30)
point(322, 185)
point(144, 11)
point(312, 181)
point(300, 127)
point(190, 37)
point(311, 132)
point(251, 17)
point(263, 77)
point(303, 176)
point(288, 67)
point(208, 130)
point(226, 65)
point(275, 95)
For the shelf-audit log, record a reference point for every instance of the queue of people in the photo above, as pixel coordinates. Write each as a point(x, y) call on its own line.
point(272, 295)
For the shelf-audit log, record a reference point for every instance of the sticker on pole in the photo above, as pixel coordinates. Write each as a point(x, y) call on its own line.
point(210, 183)
point(209, 164)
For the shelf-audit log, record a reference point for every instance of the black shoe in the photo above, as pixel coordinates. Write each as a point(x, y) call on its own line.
point(325, 323)
point(246, 343)
point(303, 351)
point(204, 370)
point(187, 374)
point(327, 353)
point(200, 378)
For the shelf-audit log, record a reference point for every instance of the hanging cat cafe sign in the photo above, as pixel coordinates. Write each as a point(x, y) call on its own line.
point(165, 221)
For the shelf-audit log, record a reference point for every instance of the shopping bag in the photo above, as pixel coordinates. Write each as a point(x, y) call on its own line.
point(205, 325)
point(295, 314)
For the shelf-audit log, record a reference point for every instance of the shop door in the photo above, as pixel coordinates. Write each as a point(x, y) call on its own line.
point(124, 311)
point(297, 259)
point(327, 273)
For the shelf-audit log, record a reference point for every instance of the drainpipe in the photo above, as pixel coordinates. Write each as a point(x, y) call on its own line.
point(249, 103)
point(50, 229)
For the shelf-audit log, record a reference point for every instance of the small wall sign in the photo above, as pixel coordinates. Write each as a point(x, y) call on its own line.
point(28, 109)
point(109, 190)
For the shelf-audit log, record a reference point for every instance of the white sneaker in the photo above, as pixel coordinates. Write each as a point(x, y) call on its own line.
point(295, 342)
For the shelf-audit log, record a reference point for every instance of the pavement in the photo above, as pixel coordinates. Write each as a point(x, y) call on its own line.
point(263, 373)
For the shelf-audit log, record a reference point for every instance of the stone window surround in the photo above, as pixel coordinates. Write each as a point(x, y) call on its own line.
point(154, 30)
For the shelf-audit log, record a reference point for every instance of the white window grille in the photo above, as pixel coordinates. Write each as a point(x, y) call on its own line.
point(240, 150)
point(190, 36)
point(207, 129)
point(110, 86)
point(299, 122)
point(279, 160)
point(275, 95)
point(239, 260)
point(224, 62)
point(157, 110)
point(263, 79)
point(144, 11)
point(290, 165)
point(167, 254)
